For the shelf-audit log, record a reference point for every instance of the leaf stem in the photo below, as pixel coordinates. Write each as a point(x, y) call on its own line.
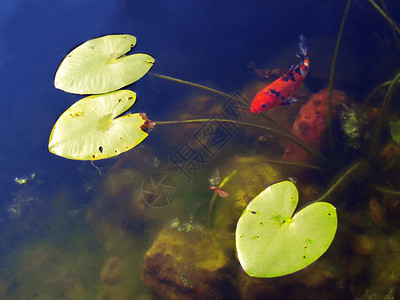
point(385, 190)
point(214, 197)
point(206, 88)
point(341, 179)
point(290, 137)
point(332, 75)
point(203, 87)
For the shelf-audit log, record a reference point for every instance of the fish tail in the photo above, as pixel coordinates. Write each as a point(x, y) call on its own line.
point(302, 46)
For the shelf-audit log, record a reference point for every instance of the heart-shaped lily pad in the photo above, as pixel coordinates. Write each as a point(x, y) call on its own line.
point(271, 243)
point(100, 66)
point(91, 129)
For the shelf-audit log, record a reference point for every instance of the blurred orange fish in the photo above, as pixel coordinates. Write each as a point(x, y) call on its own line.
point(220, 192)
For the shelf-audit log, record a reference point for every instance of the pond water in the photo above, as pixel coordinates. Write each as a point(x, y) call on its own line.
point(145, 224)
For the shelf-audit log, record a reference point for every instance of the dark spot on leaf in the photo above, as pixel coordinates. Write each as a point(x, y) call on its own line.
point(305, 247)
point(116, 151)
point(101, 149)
point(257, 236)
point(119, 100)
point(261, 223)
point(130, 98)
point(283, 221)
point(304, 256)
point(253, 212)
point(329, 214)
point(93, 156)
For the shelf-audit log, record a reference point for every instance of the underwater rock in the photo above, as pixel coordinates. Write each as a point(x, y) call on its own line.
point(377, 211)
point(311, 123)
point(3, 289)
point(184, 263)
point(116, 281)
point(265, 73)
point(196, 107)
point(389, 154)
point(111, 271)
point(317, 281)
point(257, 174)
point(386, 262)
point(364, 244)
point(116, 183)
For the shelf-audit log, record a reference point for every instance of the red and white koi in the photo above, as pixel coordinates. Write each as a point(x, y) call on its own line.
point(280, 92)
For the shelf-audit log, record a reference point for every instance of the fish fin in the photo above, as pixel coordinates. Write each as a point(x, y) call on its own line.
point(302, 46)
point(299, 97)
point(289, 101)
point(300, 55)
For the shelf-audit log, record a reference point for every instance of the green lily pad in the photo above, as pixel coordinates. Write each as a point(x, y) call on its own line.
point(100, 66)
point(92, 129)
point(271, 243)
point(395, 131)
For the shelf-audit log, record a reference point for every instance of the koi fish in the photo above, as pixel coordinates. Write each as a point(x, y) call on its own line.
point(280, 92)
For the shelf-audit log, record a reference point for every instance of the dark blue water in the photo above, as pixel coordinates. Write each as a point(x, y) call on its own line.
point(208, 42)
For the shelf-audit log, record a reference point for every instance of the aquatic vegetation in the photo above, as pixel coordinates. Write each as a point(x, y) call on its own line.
point(271, 243)
point(26, 179)
point(395, 131)
point(262, 238)
point(93, 127)
point(100, 66)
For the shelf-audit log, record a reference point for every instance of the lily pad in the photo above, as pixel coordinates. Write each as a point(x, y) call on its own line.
point(100, 66)
point(395, 131)
point(93, 129)
point(271, 243)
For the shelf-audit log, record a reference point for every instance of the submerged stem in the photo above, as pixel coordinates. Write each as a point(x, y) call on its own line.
point(382, 114)
point(341, 179)
point(385, 190)
point(332, 75)
point(214, 197)
point(392, 23)
point(290, 137)
point(290, 164)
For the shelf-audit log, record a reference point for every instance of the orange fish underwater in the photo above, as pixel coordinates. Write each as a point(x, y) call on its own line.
point(280, 92)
